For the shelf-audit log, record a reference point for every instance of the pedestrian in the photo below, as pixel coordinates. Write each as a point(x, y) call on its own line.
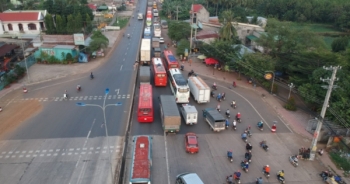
point(190, 61)
point(218, 107)
point(234, 83)
point(320, 152)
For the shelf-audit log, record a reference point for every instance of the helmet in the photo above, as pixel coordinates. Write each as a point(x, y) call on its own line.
point(238, 113)
point(267, 166)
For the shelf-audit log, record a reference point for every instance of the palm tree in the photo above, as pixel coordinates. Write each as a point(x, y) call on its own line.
point(227, 20)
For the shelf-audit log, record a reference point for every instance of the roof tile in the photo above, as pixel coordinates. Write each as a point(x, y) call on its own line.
point(19, 16)
point(197, 7)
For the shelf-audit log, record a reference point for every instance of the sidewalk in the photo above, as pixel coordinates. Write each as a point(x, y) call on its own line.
point(294, 120)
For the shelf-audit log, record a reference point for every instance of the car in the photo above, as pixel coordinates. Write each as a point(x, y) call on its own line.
point(191, 143)
point(161, 40)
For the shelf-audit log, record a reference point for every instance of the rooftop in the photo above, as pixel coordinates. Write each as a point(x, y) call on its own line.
point(141, 163)
point(20, 16)
point(92, 6)
point(197, 7)
point(64, 47)
point(4, 49)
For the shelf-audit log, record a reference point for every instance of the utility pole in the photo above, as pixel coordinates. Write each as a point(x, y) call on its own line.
point(324, 108)
point(177, 13)
point(192, 15)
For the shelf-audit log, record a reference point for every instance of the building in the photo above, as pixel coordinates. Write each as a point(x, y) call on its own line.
point(17, 23)
point(207, 36)
point(244, 30)
point(93, 8)
point(58, 51)
point(251, 41)
point(200, 13)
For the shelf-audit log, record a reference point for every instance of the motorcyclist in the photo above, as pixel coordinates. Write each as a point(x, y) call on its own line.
point(227, 123)
point(237, 175)
point(263, 144)
point(65, 94)
point(214, 85)
point(244, 136)
point(274, 127)
point(223, 96)
point(227, 112)
point(229, 154)
point(324, 175)
point(245, 164)
point(238, 116)
point(234, 123)
point(249, 146)
point(218, 107)
point(91, 76)
point(233, 103)
point(229, 179)
point(78, 87)
point(248, 131)
point(234, 84)
point(212, 93)
point(248, 155)
point(267, 169)
point(218, 97)
point(260, 124)
point(280, 175)
point(259, 180)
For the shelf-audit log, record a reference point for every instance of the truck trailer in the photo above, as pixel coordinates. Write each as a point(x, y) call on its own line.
point(145, 75)
point(199, 89)
point(145, 52)
point(170, 116)
point(215, 120)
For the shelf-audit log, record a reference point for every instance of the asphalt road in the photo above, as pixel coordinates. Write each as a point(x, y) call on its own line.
point(66, 143)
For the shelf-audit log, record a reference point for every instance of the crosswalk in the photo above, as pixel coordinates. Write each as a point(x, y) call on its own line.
point(70, 98)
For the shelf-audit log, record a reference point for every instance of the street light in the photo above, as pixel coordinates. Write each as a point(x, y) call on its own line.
point(268, 77)
point(105, 123)
point(291, 85)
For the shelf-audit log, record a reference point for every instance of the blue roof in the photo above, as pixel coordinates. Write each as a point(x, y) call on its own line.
point(172, 58)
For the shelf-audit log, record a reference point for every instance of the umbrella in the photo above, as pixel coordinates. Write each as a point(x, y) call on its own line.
point(202, 57)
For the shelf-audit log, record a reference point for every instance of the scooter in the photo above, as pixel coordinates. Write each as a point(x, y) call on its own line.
point(293, 160)
point(228, 115)
point(280, 179)
point(233, 106)
point(25, 90)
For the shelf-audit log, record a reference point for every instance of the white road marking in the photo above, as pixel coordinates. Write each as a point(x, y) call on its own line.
point(166, 158)
point(121, 67)
point(86, 140)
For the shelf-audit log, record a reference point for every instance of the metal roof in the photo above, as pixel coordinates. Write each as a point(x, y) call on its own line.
point(64, 47)
point(169, 105)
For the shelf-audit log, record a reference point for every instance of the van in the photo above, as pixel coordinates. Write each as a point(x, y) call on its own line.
point(164, 24)
point(139, 16)
point(188, 178)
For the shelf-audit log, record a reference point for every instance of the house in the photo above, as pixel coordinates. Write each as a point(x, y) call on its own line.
point(261, 21)
point(93, 8)
point(58, 51)
point(44, 12)
point(206, 36)
point(244, 30)
point(199, 13)
point(251, 41)
point(15, 23)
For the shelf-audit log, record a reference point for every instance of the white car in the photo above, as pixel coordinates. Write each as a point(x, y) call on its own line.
point(161, 40)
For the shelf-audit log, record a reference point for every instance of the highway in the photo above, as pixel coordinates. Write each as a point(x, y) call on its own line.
point(66, 143)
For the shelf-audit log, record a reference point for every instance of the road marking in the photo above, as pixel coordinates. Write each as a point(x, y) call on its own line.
point(86, 140)
point(121, 67)
point(166, 158)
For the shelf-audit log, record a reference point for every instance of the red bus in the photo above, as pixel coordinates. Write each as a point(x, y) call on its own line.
point(145, 109)
point(170, 60)
point(160, 76)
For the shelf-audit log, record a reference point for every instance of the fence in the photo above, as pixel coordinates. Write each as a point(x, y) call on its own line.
point(30, 61)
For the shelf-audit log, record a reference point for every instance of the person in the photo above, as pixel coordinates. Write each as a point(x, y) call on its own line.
point(259, 180)
point(228, 112)
point(234, 123)
point(238, 116)
point(218, 97)
point(229, 154)
point(218, 107)
point(260, 124)
point(320, 152)
point(229, 179)
point(267, 169)
point(78, 87)
point(244, 136)
point(249, 146)
point(234, 84)
point(280, 174)
point(248, 155)
point(237, 175)
point(91, 76)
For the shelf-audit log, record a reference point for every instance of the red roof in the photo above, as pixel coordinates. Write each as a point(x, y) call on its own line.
point(92, 6)
point(207, 34)
point(19, 16)
point(141, 167)
point(197, 7)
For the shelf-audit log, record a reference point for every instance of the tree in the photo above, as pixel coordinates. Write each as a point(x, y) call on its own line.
point(340, 44)
point(49, 6)
point(183, 44)
point(227, 30)
point(61, 24)
point(88, 24)
point(50, 28)
point(70, 24)
point(78, 23)
point(98, 41)
point(178, 30)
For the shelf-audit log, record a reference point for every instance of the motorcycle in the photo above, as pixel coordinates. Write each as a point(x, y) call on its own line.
point(227, 115)
point(214, 87)
point(244, 167)
point(293, 160)
point(280, 179)
point(65, 96)
point(261, 128)
point(212, 94)
point(265, 147)
point(233, 106)
point(78, 88)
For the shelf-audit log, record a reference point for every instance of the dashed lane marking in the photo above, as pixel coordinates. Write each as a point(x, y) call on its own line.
point(75, 98)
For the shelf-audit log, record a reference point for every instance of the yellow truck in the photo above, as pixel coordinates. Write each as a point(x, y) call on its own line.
point(108, 16)
point(154, 5)
point(101, 25)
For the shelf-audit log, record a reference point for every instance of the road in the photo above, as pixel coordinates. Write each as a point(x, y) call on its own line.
point(65, 143)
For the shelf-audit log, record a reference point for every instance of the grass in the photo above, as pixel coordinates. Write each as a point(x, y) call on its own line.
point(122, 22)
point(340, 162)
point(317, 28)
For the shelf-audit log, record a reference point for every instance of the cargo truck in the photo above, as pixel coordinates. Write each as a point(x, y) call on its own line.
point(215, 120)
point(145, 52)
point(189, 113)
point(157, 52)
point(170, 116)
point(199, 89)
point(155, 42)
point(145, 75)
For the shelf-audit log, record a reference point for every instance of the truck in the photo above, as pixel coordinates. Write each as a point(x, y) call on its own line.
point(215, 120)
point(147, 33)
point(157, 30)
point(149, 3)
point(140, 16)
point(199, 89)
point(145, 75)
point(189, 113)
point(170, 116)
point(155, 42)
point(145, 52)
point(141, 162)
point(155, 12)
point(164, 24)
point(157, 52)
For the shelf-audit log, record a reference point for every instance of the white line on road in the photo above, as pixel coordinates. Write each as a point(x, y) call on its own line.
point(87, 138)
point(121, 67)
point(166, 157)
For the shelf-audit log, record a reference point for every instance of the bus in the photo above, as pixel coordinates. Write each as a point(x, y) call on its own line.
point(157, 30)
point(160, 77)
point(147, 33)
point(179, 86)
point(170, 60)
point(140, 172)
point(145, 108)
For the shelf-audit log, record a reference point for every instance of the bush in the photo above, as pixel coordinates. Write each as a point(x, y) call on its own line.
point(340, 161)
point(20, 71)
point(291, 104)
point(69, 57)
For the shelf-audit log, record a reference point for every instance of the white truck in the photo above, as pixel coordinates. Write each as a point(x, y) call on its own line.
point(140, 16)
point(199, 89)
point(189, 113)
point(155, 12)
point(145, 52)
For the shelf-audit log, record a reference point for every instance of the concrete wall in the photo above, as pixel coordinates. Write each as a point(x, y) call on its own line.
point(203, 15)
point(57, 52)
point(16, 30)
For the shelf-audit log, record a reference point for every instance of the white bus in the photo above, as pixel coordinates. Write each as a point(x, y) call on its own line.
point(179, 86)
point(157, 30)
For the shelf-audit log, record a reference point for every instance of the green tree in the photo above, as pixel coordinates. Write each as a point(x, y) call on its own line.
point(50, 28)
point(183, 44)
point(98, 41)
point(227, 31)
point(61, 24)
point(49, 6)
point(70, 24)
point(178, 30)
point(88, 24)
point(340, 44)
point(78, 23)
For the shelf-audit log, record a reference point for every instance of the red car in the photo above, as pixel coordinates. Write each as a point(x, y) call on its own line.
point(191, 143)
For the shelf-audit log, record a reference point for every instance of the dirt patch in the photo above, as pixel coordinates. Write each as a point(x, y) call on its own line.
point(14, 114)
